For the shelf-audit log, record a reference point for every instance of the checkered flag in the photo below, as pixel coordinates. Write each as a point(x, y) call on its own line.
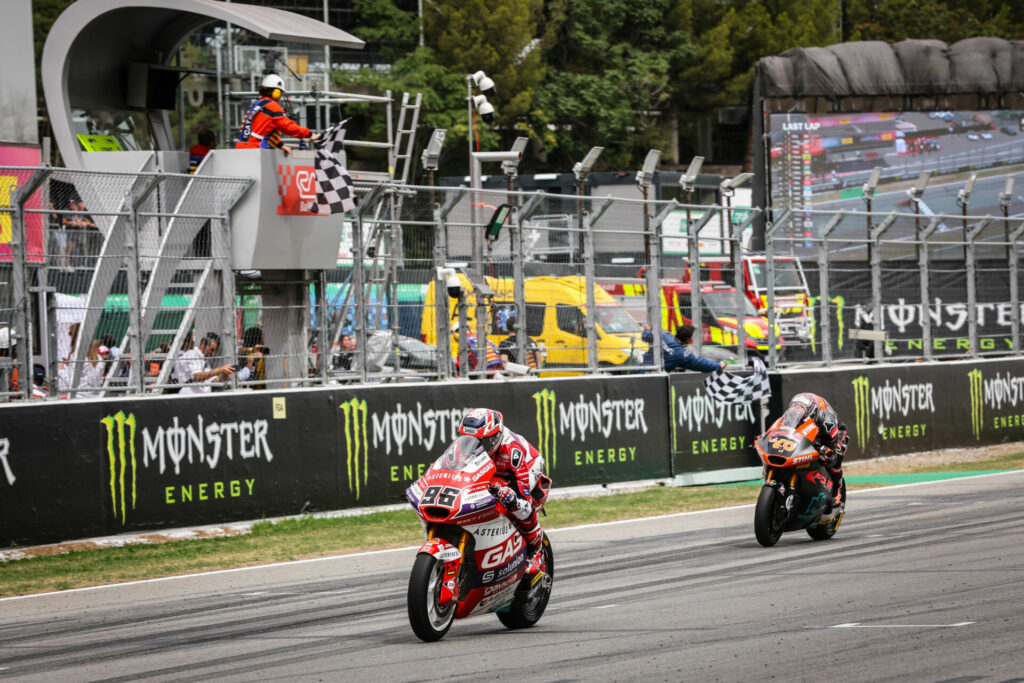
point(334, 190)
point(725, 387)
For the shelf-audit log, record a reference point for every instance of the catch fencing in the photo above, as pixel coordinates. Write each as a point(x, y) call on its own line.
point(139, 264)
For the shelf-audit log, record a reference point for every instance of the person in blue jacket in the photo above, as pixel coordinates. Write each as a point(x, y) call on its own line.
point(676, 352)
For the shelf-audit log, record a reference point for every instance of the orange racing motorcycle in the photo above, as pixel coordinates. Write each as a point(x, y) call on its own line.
point(797, 489)
point(474, 558)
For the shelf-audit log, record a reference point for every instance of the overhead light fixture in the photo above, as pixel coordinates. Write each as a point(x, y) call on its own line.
point(689, 179)
point(582, 168)
point(432, 152)
point(645, 176)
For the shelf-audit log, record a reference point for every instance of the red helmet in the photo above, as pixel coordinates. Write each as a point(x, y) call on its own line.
point(484, 424)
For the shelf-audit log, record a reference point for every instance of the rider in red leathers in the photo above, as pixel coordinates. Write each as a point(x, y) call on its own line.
point(832, 438)
point(518, 463)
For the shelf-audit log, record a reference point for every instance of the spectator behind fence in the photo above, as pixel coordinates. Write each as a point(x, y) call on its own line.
point(494, 362)
point(91, 378)
point(346, 352)
point(192, 371)
point(676, 352)
point(509, 351)
point(205, 141)
point(252, 357)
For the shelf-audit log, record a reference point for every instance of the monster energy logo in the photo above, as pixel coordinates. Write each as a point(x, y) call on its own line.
point(974, 378)
point(546, 432)
point(117, 457)
point(357, 448)
point(862, 408)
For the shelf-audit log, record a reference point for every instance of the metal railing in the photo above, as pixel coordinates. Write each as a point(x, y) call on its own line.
point(140, 264)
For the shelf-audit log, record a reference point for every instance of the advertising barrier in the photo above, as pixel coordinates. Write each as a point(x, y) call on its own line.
point(893, 410)
point(86, 468)
point(708, 435)
point(78, 469)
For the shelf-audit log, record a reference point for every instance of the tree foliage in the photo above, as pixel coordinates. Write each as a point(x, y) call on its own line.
point(625, 74)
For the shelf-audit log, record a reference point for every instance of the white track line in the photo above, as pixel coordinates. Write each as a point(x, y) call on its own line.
point(369, 553)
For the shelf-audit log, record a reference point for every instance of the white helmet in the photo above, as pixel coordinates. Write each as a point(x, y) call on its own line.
point(273, 81)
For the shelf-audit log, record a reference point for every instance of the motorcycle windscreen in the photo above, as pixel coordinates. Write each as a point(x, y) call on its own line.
point(466, 452)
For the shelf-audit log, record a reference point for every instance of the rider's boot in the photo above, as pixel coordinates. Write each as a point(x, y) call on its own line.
point(535, 562)
point(836, 499)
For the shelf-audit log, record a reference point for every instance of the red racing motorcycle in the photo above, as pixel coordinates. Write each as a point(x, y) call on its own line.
point(796, 487)
point(474, 558)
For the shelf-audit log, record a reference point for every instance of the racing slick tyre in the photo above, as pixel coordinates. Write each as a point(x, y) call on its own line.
point(429, 620)
point(827, 531)
point(767, 523)
point(532, 595)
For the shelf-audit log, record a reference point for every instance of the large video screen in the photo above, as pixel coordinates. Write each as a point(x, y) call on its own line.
point(823, 161)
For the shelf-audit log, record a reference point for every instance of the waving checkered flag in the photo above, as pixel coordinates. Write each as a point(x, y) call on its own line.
point(334, 190)
point(728, 388)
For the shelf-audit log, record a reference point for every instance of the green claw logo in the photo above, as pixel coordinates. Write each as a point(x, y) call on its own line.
point(974, 378)
point(357, 448)
point(117, 457)
point(547, 435)
point(862, 409)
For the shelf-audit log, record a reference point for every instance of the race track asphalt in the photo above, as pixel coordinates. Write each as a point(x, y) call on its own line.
point(922, 583)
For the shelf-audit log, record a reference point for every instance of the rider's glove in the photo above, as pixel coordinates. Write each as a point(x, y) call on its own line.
point(827, 456)
point(506, 496)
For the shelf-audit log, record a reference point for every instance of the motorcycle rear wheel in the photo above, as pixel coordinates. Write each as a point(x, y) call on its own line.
point(428, 619)
point(767, 525)
point(823, 533)
point(524, 611)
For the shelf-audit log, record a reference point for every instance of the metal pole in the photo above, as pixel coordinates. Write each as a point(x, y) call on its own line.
point(972, 286)
point(1014, 296)
point(588, 272)
point(463, 342)
point(136, 376)
point(738, 294)
point(22, 308)
point(221, 248)
point(359, 324)
point(922, 263)
point(653, 274)
point(769, 245)
point(876, 283)
point(323, 329)
point(693, 255)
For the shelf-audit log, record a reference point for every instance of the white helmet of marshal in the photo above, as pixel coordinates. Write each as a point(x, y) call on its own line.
point(273, 81)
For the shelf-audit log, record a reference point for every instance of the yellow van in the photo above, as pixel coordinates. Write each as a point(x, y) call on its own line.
point(556, 309)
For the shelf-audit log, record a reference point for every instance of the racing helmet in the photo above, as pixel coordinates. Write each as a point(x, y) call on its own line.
point(275, 83)
point(484, 424)
point(801, 408)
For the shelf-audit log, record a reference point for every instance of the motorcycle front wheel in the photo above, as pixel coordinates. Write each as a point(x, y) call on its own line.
point(429, 620)
point(767, 522)
point(531, 599)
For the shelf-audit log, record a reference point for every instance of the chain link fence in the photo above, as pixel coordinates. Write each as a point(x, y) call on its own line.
point(121, 283)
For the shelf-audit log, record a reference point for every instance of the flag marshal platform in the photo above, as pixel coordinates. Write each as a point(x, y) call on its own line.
point(273, 225)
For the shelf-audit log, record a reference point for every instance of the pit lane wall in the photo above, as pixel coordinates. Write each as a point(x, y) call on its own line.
point(88, 468)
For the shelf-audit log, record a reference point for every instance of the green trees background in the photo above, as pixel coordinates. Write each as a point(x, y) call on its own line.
point(626, 74)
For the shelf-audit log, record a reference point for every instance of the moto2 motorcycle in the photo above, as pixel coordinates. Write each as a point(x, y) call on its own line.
point(474, 558)
point(797, 488)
